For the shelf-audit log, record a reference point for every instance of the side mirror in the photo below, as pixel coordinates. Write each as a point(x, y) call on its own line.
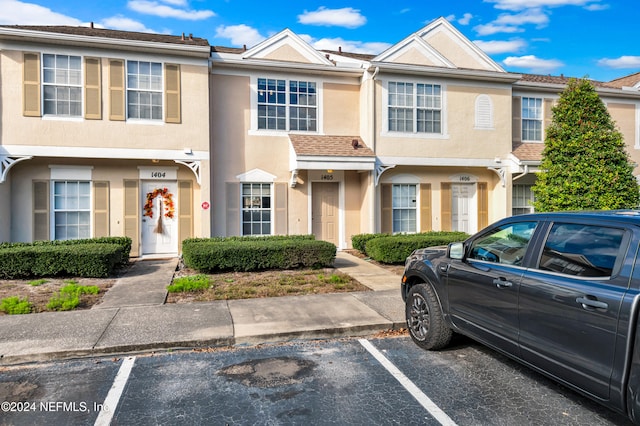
point(456, 251)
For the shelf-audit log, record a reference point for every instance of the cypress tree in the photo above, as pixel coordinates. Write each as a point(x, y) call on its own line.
point(584, 162)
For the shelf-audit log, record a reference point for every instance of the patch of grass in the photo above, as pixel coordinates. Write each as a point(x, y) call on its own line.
point(15, 306)
point(68, 297)
point(36, 283)
point(191, 283)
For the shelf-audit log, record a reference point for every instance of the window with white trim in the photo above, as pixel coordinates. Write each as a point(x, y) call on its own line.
point(287, 105)
point(532, 119)
point(144, 90)
point(522, 199)
point(71, 210)
point(256, 208)
point(414, 107)
point(62, 85)
point(404, 207)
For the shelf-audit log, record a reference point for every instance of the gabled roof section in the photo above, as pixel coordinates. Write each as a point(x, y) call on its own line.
point(439, 44)
point(286, 46)
point(632, 80)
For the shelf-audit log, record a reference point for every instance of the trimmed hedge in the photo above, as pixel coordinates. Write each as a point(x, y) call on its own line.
point(92, 260)
point(359, 241)
point(255, 254)
point(396, 248)
point(125, 242)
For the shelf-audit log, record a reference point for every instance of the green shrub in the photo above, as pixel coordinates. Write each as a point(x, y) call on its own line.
point(68, 297)
point(359, 241)
point(190, 284)
point(89, 259)
point(255, 254)
point(15, 306)
point(396, 248)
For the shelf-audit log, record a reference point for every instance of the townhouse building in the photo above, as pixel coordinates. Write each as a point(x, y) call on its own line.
point(103, 133)
point(161, 137)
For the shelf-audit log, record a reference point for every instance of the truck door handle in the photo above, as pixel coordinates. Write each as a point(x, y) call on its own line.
point(588, 302)
point(502, 282)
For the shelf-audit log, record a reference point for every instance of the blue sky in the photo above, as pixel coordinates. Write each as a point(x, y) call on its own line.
point(578, 38)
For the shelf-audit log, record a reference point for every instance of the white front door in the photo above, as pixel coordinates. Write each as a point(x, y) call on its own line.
point(159, 217)
point(463, 218)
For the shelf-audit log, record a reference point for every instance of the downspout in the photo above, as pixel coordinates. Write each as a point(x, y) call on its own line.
point(372, 91)
point(523, 174)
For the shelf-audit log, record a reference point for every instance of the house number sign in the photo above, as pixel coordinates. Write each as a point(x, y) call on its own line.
point(158, 173)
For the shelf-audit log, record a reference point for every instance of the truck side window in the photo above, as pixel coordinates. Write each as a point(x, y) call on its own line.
point(506, 244)
point(581, 250)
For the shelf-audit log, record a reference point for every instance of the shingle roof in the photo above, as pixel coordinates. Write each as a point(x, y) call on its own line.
point(188, 40)
point(561, 80)
point(628, 81)
point(528, 151)
point(330, 146)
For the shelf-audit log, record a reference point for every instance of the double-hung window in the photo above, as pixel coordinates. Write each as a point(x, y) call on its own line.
point(256, 209)
point(62, 85)
point(287, 105)
point(522, 199)
point(532, 119)
point(404, 207)
point(144, 90)
point(71, 209)
point(414, 107)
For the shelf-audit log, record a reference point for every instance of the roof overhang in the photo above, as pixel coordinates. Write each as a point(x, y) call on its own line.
point(218, 61)
point(309, 162)
point(498, 77)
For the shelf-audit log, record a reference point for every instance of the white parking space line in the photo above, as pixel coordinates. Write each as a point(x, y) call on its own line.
point(113, 397)
point(423, 399)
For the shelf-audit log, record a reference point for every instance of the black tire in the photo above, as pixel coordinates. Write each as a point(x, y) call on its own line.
point(424, 318)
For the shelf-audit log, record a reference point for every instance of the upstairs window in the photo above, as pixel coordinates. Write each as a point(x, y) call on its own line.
point(414, 107)
point(532, 119)
point(144, 90)
point(287, 105)
point(62, 85)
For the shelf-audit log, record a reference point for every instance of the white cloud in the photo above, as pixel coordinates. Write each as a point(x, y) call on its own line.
point(528, 4)
point(621, 62)
point(533, 63)
point(347, 17)
point(123, 23)
point(350, 46)
point(466, 18)
point(531, 16)
point(489, 29)
point(21, 13)
point(240, 35)
point(497, 46)
point(155, 8)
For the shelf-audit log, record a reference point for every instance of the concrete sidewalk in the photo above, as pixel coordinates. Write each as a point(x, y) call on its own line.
point(133, 317)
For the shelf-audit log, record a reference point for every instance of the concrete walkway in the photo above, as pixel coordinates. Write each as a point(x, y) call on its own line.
point(133, 317)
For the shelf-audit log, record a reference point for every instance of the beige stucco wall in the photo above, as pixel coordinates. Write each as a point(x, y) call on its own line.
point(341, 109)
point(461, 140)
point(192, 132)
point(114, 172)
point(624, 115)
point(453, 51)
point(437, 175)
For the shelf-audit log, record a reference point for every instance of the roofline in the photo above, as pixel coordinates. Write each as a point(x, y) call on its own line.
point(265, 64)
point(503, 77)
point(557, 88)
point(104, 42)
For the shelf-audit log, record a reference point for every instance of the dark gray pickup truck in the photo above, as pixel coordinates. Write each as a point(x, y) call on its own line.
point(559, 292)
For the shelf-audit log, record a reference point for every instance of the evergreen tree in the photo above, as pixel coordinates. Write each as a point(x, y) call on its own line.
point(585, 165)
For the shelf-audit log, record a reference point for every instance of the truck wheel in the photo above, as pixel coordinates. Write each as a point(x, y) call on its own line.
point(424, 318)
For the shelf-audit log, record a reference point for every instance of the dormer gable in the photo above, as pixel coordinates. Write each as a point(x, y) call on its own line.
point(439, 44)
point(286, 46)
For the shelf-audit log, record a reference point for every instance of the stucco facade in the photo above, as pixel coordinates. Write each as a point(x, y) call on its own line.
point(277, 139)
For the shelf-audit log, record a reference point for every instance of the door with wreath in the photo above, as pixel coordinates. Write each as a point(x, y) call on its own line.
point(159, 217)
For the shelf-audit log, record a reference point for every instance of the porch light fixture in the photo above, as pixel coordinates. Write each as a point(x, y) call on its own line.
point(155, 161)
point(329, 170)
